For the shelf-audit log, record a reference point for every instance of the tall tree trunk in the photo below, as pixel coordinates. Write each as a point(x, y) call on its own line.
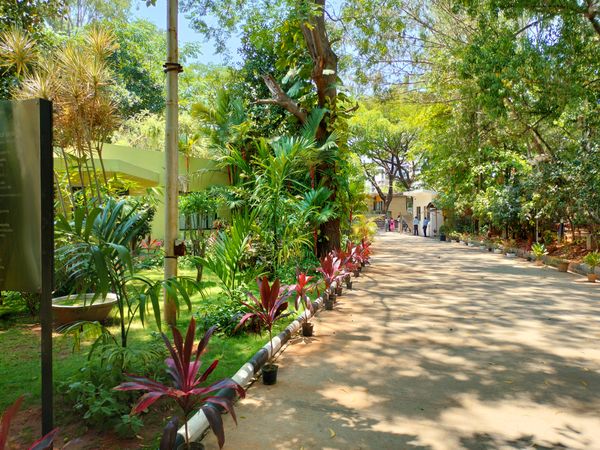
point(325, 78)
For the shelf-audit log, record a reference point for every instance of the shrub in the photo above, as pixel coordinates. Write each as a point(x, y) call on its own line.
point(90, 392)
point(538, 249)
point(224, 316)
point(592, 259)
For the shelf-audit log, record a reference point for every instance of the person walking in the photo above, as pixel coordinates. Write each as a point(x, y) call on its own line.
point(416, 226)
point(392, 224)
point(425, 224)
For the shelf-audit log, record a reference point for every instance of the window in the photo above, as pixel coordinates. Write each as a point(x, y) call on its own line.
point(419, 212)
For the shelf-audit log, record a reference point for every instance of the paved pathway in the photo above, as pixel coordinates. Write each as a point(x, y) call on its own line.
point(440, 346)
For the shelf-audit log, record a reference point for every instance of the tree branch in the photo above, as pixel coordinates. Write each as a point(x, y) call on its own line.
point(280, 98)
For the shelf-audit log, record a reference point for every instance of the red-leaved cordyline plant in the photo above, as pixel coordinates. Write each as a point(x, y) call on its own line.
point(183, 366)
point(347, 258)
point(362, 252)
point(330, 268)
point(8, 415)
point(270, 307)
point(301, 288)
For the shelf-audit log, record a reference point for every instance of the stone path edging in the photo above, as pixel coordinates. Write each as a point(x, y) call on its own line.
point(198, 424)
point(553, 261)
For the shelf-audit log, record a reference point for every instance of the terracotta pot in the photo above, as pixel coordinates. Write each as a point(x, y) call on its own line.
point(539, 262)
point(592, 277)
point(563, 266)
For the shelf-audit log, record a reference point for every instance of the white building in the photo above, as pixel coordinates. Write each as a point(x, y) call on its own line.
point(423, 206)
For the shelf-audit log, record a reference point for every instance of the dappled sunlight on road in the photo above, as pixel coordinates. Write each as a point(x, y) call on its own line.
point(440, 346)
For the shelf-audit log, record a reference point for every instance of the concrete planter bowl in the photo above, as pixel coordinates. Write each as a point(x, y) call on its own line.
point(69, 308)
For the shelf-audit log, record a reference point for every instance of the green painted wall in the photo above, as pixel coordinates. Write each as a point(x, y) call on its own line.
point(146, 168)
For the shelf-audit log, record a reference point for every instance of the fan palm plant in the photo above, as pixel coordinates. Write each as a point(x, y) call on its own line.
point(317, 208)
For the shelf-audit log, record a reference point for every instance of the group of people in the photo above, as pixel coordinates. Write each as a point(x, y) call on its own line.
point(394, 224)
point(416, 225)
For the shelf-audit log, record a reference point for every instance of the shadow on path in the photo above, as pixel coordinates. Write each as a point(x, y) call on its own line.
point(439, 346)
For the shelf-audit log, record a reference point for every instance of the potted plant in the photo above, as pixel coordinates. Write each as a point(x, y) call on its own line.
point(267, 310)
point(563, 265)
point(592, 260)
point(94, 256)
point(330, 269)
point(508, 246)
point(43, 443)
point(348, 265)
point(301, 288)
point(183, 366)
point(454, 236)
point(538, 250)
point(443, 232)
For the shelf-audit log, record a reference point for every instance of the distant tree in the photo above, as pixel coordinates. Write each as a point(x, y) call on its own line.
point(385, 146)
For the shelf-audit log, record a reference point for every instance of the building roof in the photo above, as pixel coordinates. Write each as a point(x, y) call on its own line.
point(419, 191)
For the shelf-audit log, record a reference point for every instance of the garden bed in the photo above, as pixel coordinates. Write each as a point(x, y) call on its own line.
point(20, 335)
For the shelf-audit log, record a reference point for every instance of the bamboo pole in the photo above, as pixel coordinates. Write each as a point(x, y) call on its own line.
point(172, 68)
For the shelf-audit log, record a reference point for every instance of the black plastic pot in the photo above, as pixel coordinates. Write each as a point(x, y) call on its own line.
point(191, 446)
point(442, 237)
point(329, 303)
point(333, 298)
point(356, 273)
point(269, 373)
point(338, 290)
point(348, 284)
point(307, 329)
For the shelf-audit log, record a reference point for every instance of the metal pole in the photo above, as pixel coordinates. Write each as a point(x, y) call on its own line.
point(172, 68)
point(47, 231)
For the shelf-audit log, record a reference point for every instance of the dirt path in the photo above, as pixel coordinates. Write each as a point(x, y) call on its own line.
point(439, 346)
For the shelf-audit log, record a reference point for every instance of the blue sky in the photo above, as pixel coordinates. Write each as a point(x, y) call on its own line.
point(158, 15)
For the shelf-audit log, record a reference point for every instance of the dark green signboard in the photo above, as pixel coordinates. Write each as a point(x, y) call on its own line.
point(27, 219)
point(20, 197)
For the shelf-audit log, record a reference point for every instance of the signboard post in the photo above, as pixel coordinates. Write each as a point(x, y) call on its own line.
point(27, 219)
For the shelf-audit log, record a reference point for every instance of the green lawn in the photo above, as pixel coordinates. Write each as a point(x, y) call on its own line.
point(20, 356)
